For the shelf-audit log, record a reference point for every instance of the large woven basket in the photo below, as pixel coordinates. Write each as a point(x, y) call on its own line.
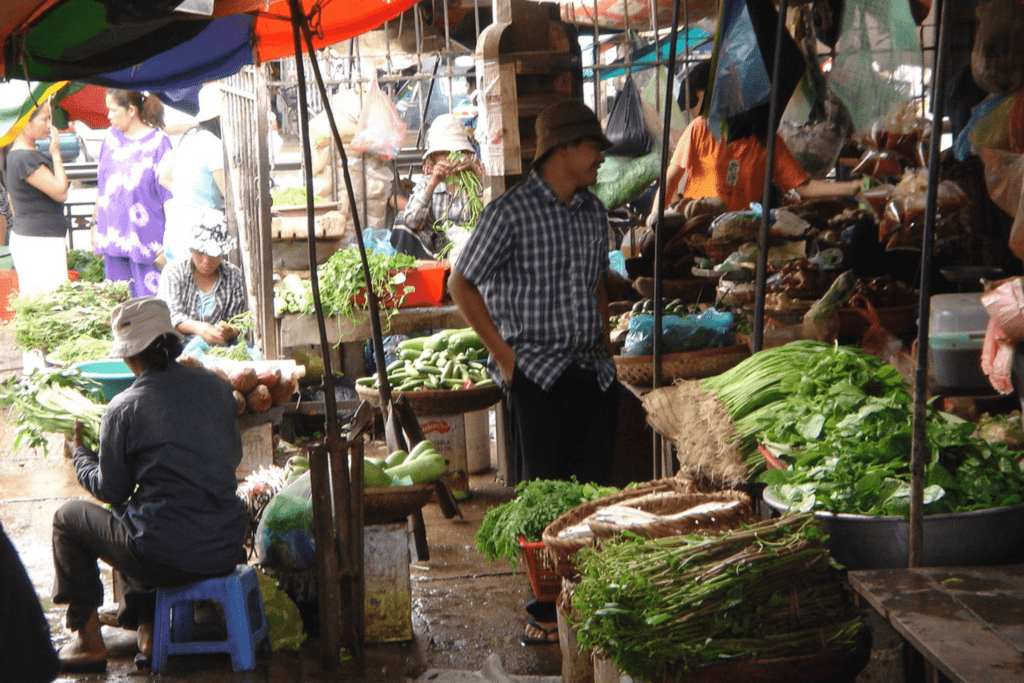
point(439, 402)
point(662, 496)
point(684, 365)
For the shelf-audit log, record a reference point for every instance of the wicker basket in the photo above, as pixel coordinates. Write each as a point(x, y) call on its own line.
point(561, 550)
point(439, 402)
point(684, 365)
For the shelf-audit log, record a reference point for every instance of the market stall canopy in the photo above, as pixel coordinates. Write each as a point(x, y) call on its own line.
point(73, 102)
point(149, 46)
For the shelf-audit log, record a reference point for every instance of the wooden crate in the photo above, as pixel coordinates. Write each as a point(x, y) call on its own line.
point(257, 448)
point(330, 225)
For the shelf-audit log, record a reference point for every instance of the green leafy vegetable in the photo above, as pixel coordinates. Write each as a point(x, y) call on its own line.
point(291, 196)
point(672, 604)
point(88, 265)
point(842, 420)
point(74, 309)
point(537, 504)
point(465, 182)
point(49, 401)
point(81, 349)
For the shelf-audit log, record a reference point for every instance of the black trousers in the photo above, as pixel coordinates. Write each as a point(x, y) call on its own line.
point(83, 533)
point(26, 653)
point(566, 431)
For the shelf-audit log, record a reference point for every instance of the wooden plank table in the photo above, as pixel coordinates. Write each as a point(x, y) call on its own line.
point(967, 622)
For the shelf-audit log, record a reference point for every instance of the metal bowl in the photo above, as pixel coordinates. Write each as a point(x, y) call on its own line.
point(979, 537)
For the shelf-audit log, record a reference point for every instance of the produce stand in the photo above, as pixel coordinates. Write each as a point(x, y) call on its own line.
point(964, 621)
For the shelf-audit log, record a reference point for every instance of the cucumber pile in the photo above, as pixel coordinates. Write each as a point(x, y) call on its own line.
point(422, 465)
point(448, 360)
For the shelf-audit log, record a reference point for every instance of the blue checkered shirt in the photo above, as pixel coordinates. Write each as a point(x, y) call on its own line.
point(537, 264)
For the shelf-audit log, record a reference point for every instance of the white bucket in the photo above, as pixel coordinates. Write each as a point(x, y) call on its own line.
point(478, 441)
point(448, 432)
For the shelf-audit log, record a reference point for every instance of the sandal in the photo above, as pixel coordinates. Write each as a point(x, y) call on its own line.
point(547, 636)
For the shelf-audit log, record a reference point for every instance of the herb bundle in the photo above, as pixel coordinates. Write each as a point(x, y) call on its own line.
point(681, 602)
point(50, 401)
point(341, 284)
point(842, 419)
point(74, 309)
point(466, 183)
point(537, 504)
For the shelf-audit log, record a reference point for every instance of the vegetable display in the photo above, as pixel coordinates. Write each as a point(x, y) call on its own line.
point(88, 265)
point(671, 604)
point(292, 196)
point(422, 465)
point(342, 284)
point(74, 309)
point(842, 421)
point(450, 359)
point(50, 401)
point(537, 503)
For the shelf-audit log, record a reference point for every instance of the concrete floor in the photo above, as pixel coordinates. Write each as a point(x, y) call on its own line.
point(464, 609)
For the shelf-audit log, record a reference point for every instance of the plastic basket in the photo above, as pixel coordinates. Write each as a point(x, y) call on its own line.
point(545, 582)
point(424, 286)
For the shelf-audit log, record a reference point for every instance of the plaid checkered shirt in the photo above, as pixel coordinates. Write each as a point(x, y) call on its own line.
point(537, 263)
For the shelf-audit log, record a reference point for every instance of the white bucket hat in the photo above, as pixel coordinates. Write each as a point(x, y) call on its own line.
point(210, 235)
point(447, 133)
point(137, 323)
point(210, 102)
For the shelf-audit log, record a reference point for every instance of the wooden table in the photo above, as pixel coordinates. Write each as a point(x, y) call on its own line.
point(967, 622)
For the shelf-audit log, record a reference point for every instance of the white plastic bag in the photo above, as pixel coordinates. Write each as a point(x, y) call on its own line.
point(381, 130)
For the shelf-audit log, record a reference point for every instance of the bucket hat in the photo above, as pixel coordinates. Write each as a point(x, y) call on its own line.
point(210, 235)
point(563, 123)
point(136, 323)
point(447, 133)
point(210, 104)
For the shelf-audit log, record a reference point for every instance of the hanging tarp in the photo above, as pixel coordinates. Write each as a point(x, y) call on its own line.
point(615, 14)
point(75, 40)
point(18, 100)
point(648, 55)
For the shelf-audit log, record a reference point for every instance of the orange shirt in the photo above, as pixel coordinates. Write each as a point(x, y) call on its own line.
point(733, 172)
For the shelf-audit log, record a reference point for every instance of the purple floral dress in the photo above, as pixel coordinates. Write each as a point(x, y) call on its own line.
point(130, 208)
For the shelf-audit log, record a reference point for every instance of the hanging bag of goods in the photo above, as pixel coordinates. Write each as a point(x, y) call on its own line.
point(997, 59)
point(381, 130)
point(626, 128)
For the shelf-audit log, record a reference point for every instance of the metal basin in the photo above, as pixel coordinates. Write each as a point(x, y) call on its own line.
point(980, 537)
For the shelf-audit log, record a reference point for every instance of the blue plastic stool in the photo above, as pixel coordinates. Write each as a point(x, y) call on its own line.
point(247, 630)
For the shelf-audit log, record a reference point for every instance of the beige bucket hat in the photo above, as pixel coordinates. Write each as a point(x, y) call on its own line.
point(137, 323)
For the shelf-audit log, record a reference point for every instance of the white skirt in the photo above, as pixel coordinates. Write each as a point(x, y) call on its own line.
point(41, 263)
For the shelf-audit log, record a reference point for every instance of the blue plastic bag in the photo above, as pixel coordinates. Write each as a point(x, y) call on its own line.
point(378, 241)
point(696, 332)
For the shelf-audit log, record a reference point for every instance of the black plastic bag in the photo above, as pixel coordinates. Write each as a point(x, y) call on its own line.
point(626, 129)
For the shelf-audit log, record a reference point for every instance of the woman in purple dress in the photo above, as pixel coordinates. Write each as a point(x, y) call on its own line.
point(129, 226)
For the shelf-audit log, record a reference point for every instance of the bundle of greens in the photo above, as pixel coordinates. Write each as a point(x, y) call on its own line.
point(49, 401)
point(81, 349)
point(537, 504)
point(88, 265)
point(242, 322)
point(672, 604)
point(842, 421)
point(467, 184)
point(342, 284)
point(75, 309)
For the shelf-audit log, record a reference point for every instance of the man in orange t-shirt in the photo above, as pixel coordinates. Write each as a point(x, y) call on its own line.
point(734, 171)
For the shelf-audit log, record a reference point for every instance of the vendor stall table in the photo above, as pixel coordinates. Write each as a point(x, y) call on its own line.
point(965, 621)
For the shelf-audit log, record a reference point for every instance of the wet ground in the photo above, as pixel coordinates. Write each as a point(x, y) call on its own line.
point(464, 609)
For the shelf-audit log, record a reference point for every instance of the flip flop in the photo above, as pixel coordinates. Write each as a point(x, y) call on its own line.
point(143, 662)
point(550, 636)
point(542, 611)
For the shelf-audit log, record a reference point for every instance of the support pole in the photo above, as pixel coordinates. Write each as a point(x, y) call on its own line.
point(919, 442)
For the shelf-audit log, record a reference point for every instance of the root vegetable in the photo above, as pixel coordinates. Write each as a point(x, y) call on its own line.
point(259, 399)
point(244, 380)
point(240, 400)
point(283, 390)
point(269, 378)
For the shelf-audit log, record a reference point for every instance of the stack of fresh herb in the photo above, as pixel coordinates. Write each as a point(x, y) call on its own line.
point(49, 401)
point(537, 504)
point(680, 602)
point(75, 309)
point(341, 282)
point(842, 419)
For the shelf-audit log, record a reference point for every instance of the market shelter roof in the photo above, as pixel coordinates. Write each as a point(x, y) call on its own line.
point(148, 46)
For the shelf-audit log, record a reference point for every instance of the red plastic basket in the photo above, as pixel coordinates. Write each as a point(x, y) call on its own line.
point(9, 289)
point(424, 286)
point(545, 582)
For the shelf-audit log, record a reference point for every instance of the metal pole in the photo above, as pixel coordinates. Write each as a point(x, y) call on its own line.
point(919, 443)
point(761, 282)
point(662, 465)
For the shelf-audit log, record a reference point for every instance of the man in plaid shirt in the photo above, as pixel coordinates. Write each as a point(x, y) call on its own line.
point(531, 282)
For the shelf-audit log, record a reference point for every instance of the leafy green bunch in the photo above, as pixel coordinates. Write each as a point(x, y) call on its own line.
point(50, 401)
point(537, 503)
point(466, 183)
point(74, 309)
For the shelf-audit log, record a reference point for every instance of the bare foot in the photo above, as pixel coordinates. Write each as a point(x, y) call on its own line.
point(86, 648)
point(145, 640)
